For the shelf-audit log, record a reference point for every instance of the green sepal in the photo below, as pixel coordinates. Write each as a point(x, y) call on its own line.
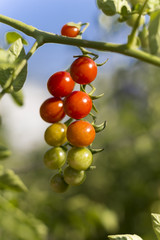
point(94, 108)
point(93, 116)
point(94, 151)
point(72, 24)
point(96, 97)
point(100, 127)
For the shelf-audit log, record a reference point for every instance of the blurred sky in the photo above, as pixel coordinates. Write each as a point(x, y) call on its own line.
point(51, 15)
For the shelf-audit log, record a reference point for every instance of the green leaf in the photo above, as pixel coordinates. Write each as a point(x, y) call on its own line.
point(9, 180)
point(153, 5)
point(13, 36)
point(18, 97)
point(16, 224)
point(154, 32)
point(9, 60)
point(4, 152)
point(124, 237)
point(111, 7)
point(156, 224)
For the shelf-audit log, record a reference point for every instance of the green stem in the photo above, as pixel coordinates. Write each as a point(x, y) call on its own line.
point(46, 37)
point(132, 36)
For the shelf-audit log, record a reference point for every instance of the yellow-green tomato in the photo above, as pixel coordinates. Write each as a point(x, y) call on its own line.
point(55, 134)
point(133, 18)
point(58, 184)
point(79, 158)
point(55, 158)
point(74, 177)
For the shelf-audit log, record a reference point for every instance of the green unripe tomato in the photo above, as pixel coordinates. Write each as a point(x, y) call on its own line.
point(55, 158)
point(79, 158)
point(74, 177)
point(133, 18)
point(55, 134)
point(58, 184)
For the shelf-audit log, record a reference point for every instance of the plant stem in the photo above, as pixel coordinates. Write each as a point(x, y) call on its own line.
point(43, 37)
point(132, 36)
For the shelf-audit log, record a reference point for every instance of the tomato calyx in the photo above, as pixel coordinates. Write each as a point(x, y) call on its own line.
point(83, 87)
point(99, 127)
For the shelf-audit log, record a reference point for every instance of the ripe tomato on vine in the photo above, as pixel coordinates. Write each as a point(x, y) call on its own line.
point(52, 110)
point(83, 70)
point(77, 105)
point(60, 84)
point(80, 133)
point(70, 31)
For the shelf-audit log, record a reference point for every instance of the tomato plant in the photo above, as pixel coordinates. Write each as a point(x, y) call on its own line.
point(60, 84)
point(52, 110)
point(80, 133)
point(79, 158)
point(74, 177)
point(55, 135)
point(77, 105)
point(83, 70)
point(55, 158)
point(58, 184)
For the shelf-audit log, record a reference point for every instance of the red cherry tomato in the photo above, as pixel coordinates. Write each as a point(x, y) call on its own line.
point(77, 105)
point(52, 110)
point(70, 31)
point(80, 133)
point(60, 84)
point(83, 70)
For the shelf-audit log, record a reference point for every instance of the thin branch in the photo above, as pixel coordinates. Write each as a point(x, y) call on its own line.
point(134, 30)
point(43, 37)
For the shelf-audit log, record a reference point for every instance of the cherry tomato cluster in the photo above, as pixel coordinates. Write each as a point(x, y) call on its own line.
point(70, 140)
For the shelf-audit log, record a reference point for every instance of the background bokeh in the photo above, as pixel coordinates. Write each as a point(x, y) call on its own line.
point(120, 194)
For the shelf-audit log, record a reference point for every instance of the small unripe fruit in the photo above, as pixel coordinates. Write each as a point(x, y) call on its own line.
point(58, 184)
point(74, 177)
point(133, 18)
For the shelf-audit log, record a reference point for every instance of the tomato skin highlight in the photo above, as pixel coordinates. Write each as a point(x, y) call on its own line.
point(52, 110)
point(74, 177)
point(83, 70)
point(55, 158)
point(80, 133)
point(58, 184)
point(77, 105)
point(55, 134)
point(79, 158)
point(60, 84)
point(70, 31)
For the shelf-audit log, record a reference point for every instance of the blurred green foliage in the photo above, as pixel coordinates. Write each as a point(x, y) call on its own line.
point(119, 195)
